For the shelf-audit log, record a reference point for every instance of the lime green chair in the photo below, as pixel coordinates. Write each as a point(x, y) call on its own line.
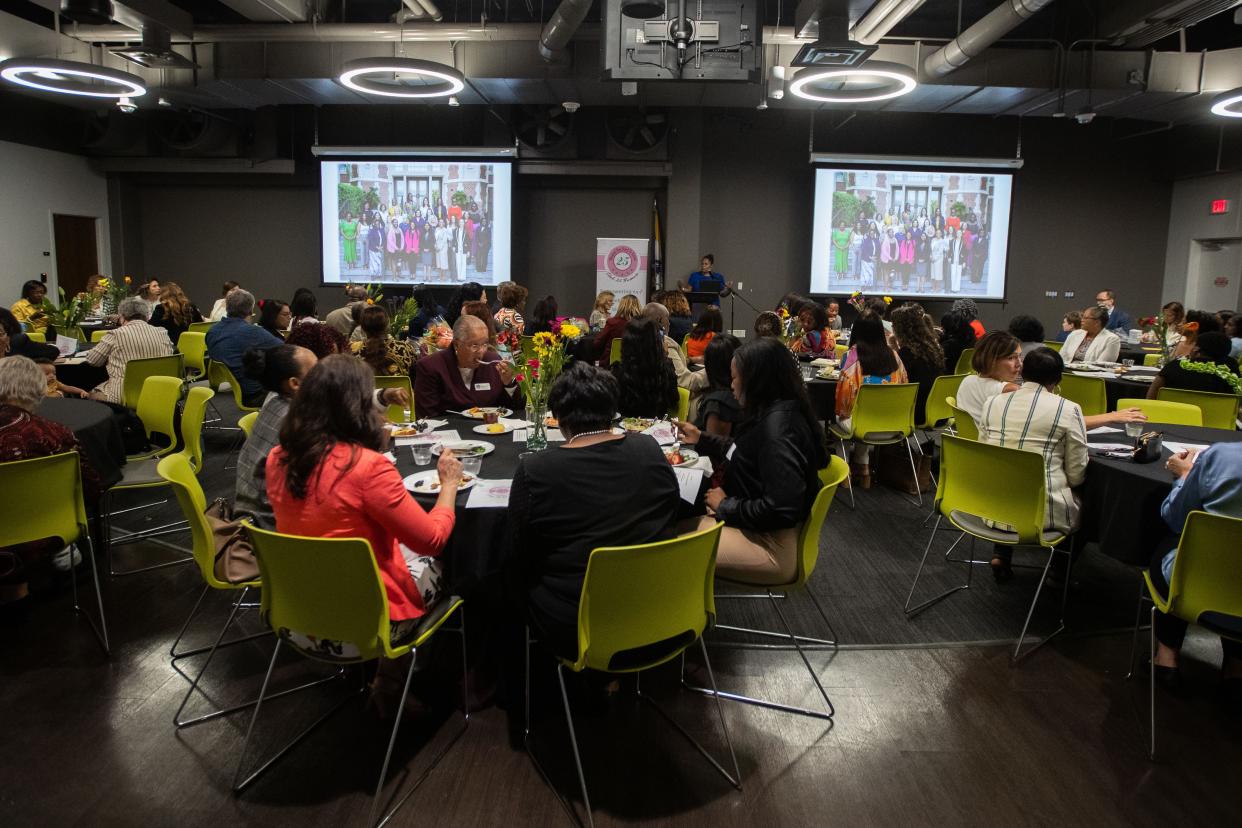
point(963, 424)
point(1205, 587)
point(937, 410)
point(1163, 411)
point(979, 510)
point(614, 355)
point(193, 346)
point(37, 336)
point(642, 606)
point(98, 335)
point(841, 351)
point(682, 411)
point(1151, 360)
point(246, 424)
point(144, 474)
point(1219, 410)
point(1053, 344)
point(963, 362)
point(883, 415)
point(218, 374)
point(137, 371)
point(1089, 392)
point(831, 477)
point(61, 513)
point(157, 408)
point(396, 413)
point(201, 327)
point(324, 599)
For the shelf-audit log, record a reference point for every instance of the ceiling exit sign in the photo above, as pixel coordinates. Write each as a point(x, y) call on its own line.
point(1220, 206)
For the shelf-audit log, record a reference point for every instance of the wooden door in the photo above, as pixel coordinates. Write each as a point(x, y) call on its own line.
point(76, 252)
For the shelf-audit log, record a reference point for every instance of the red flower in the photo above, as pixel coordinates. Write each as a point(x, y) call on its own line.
point(534, 363)
point(519, 378)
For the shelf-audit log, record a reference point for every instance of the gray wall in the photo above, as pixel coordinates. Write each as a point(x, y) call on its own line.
point(1190, 219)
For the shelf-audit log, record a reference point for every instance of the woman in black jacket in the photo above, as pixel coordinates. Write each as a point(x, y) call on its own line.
point(772, 476)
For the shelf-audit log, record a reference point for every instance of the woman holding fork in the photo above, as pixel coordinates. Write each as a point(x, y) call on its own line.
point(466, 374)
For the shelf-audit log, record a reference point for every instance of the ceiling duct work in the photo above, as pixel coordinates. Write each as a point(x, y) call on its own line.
point(995, 24)
point(880, 20)
point(155, 51)
point(708, 40)
point(561, 27)
point(270, 11)
point(1142, 23)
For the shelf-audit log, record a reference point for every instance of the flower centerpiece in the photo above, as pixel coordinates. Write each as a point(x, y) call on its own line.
point(535, 378)
point(569, 327)
point(1158, 328)
point(67, 319)
point(1214, 369)
point(437, 337)
point(400, 316)
point(114, 290)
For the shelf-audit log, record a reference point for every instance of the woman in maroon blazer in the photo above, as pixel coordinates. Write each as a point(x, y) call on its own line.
point(464, 375)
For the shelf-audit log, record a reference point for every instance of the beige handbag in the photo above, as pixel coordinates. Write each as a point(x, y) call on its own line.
point(235, 561)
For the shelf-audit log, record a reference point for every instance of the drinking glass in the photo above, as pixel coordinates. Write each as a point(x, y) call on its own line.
point(471, 465)
point(1134, 430)
point(1127, 364)
point(422, 453)
point(808, 371)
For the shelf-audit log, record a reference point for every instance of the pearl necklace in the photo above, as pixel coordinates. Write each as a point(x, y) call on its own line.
point(588, 434)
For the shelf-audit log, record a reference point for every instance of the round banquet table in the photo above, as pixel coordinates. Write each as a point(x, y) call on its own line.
point(1121, 499)
point(96, 429)
point(81, 374)
point(1136, 352)
point(1124, 386)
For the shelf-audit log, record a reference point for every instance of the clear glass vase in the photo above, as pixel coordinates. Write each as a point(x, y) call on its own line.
point(536, 432)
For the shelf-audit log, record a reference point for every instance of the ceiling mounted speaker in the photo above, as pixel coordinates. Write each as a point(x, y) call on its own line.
point(93, 12)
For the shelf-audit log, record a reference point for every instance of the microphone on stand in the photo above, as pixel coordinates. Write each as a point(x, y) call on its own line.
point(732, 294)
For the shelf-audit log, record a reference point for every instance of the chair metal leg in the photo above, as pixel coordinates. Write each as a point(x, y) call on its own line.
point(100, 631)
point(1138, 618)
point(153, 532)
point(914, 471)
point(573, 741)
point(1151, 685)
point(909, 610)
point(392, 739)
point(841, 450)
point(1016, 658)
point(818, 643)
point(176, 656)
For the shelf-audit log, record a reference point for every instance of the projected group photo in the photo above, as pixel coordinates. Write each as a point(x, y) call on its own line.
point(921, 233)
point(413, 222)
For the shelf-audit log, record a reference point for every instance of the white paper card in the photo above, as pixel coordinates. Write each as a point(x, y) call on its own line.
point(489, 494)
point(554, 435)
point(430, 437)
point(1106, 430)
point(688, 482)
point(67, 345)
point(392, 458)
point(1113, 446)
point(665, 433)
point(432, 425)
point(1178, 448)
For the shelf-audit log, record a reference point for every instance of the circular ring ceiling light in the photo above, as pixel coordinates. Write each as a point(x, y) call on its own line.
point(68, 77)
point(1226, 104)
point(438, 80)
point(886, 80)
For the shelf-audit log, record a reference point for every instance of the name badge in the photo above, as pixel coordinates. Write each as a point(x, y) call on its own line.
point(482, 386)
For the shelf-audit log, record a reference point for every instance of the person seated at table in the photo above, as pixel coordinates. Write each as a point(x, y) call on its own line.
point(997, 363)
point(174, 312)
point(600, 310)
point(1029, 332)
point(1034, 418)
point(55, 388)
point(328, 478)
point(1115, 319)
point(956, 335)
point(95, 289)
point(718, 410)
point(1174, 314)
point(149, 291)
point(1205, 369)
point(483, 312)
point(1071, 322)
point(710, 323)
point(17, 343)
point(465, 375)
point(342, 319)
point(693, 381)
point(644, 375)
point(919, 352)
point(768, 323)
point(304, 306)
point(467, 292)
point(542, 317)
point(970, 310)
point(627, 308)
point(428, 311)
point(633, 499)
point(1234, 332)
point(772, 475)
point(386, 356)
point(1198, 323)
point(320, 340)
point(834, 316)
point(135, 339)
point(274, 317)
point(512, 297)
point(1092, 342)
point(1207, 481)
point(680, 321)
point(230, 338)
point(25, 435)
point(29, 309)
point(877, 364)
point(815, 336)
point(219, 310)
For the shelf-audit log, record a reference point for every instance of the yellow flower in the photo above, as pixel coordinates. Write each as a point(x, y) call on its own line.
point(104, 284)
point(127, 280)
point(370, 301)
point(570, 331)
point(888, 300)
point(855, 293)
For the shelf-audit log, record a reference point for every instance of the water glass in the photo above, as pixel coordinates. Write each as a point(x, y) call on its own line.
point(471, 465)
point(808, 371)
point(422, 453)
point(1135, 430)
point(1127, 364)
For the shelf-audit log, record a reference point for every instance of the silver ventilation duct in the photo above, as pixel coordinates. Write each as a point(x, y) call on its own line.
point(561, 27)
point(995, 24)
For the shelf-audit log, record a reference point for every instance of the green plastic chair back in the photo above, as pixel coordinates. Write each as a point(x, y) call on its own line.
point(137, 371)
point(882, 411)
point(193, 346)
point(830, 477)
point(200, 327)
point(180, 477)
point(61, 511)
point(36, 336)
point(614, 356)
point(841, 351)
point(396, 413)
point(963, 362)
point(1163, 411)
point(966, 465)
point(937, 408)
point(963, 423)
point(246, 424)
point(1151, 360)
point(638, 596)
point(217, 374)
point(1206, 576)
point(192, 414)
point(98, 335)
point(682, 411)
point(1089, 392)
point(685, 346)
point(1053, 344)
point(324, 588)
point(157, 408)
point(1219, 410)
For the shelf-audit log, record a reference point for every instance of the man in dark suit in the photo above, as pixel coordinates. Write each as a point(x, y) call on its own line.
point(464, 375)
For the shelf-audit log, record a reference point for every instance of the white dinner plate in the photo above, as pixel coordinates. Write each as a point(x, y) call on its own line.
point(428, 482)
point(483, 429)
point(476, 413)
point(466, 448)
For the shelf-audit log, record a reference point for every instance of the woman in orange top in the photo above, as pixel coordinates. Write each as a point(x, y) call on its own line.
point(328, 479)
point(710, 323)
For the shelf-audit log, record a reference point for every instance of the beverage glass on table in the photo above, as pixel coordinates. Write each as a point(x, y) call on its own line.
point(422, 453)
point(1127, 364)
point(1134, 430)
point(808, 371)
point(471, 465)
point(491, 415)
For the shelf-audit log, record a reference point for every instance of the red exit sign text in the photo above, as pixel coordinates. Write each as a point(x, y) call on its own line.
point(1220, 206)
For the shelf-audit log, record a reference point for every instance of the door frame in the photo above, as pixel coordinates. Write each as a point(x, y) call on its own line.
point(53, 273)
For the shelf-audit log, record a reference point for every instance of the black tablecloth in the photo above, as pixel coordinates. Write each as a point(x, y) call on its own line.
point(81, 374)
point(96, 429)
point(1121, 498)
point(1136, 352)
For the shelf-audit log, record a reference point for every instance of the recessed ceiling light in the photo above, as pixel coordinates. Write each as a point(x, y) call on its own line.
point(68, 77)
point(436, 79)
point(1226, 104)
point(890, 80)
